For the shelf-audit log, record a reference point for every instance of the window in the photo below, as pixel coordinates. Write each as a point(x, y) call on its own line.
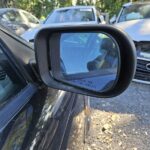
point(30, 18)
point(10, 83)
point(71, 15)
point(8, 16)
point(12, 16)
point(18, 17)
point(135, 12)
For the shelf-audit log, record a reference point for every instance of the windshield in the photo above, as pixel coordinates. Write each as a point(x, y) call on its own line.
point(135, 12)
point(71, 15)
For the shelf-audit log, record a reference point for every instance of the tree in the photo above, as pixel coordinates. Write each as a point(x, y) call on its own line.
point(44, 7)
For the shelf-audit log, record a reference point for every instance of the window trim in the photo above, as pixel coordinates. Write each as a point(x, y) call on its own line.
point(15, 104)
point(16, 67)
point(20, 99)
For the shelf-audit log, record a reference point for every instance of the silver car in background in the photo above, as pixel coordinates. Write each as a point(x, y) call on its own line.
point(68, 15)
point(17, 20)
point(134, 18)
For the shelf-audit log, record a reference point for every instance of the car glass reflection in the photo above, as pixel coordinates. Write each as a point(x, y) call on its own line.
point(89, 60)
point(84, 52)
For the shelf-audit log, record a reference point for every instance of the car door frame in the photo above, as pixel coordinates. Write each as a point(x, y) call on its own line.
point(18, 101)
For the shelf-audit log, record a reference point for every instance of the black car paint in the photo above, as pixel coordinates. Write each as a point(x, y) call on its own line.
point(40, 121)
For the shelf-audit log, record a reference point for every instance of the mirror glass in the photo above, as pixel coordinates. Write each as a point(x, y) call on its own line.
point(89, 60)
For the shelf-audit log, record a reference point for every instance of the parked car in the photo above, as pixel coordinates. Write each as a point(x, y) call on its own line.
point(68, 15)
point(17, 20)
point(34, 111)
point(134, 18)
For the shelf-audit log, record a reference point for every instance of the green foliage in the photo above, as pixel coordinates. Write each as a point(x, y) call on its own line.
point(41, 8)
point(113, 6)
point(37, 7)
point(110, 6)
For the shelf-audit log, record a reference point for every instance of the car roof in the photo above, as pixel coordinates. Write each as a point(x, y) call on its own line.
point(3, 10)
point(135, 3)
point(76, 7)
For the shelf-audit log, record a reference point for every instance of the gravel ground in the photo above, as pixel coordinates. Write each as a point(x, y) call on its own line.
point(117, 123)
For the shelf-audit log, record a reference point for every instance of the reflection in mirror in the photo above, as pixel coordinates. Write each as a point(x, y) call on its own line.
point(89, 60)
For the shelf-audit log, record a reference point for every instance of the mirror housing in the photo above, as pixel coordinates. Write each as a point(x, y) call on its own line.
point(47, 47)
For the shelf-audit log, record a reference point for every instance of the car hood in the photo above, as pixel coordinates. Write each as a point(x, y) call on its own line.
point(30, 34)
point(139, 30)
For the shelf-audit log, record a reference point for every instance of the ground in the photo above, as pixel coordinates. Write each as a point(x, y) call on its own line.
point(117, 123)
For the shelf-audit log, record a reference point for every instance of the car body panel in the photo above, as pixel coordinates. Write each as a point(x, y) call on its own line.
point(30, 34)
point(139, 31)
point(16, 104)
point(38, 117)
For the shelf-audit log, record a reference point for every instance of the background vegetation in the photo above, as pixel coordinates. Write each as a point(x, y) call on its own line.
point(41, 8)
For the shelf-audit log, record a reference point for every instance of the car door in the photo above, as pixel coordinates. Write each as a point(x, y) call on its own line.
point(31, 115)
point(15, 94)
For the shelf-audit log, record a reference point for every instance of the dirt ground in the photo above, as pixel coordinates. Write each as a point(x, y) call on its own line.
point(120, 123)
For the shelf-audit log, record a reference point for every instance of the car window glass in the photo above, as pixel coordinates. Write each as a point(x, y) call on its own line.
point(10, 83)
point(30, 18)
point(18, 17)
point(8, 16)
point(71, 15)
point(134, 12)
point(12, 16)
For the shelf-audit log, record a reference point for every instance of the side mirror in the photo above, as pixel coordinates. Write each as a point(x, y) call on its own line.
point(94, 60)
point(113, 19)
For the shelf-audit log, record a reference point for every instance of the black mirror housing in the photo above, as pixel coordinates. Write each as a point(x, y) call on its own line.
point(48, 49)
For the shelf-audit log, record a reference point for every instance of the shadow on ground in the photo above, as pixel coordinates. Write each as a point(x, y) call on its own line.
point(118, 123)
point(135, 100)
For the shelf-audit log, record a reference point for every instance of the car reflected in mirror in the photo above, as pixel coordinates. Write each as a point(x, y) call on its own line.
point(89, 60)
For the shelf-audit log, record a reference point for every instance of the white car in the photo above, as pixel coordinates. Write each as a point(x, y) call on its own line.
point(17, 20)
point(134, 18)
point(68, 15)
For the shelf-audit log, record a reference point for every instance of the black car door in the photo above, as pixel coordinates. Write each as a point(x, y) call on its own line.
point(31, 115)
point(15, 94)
